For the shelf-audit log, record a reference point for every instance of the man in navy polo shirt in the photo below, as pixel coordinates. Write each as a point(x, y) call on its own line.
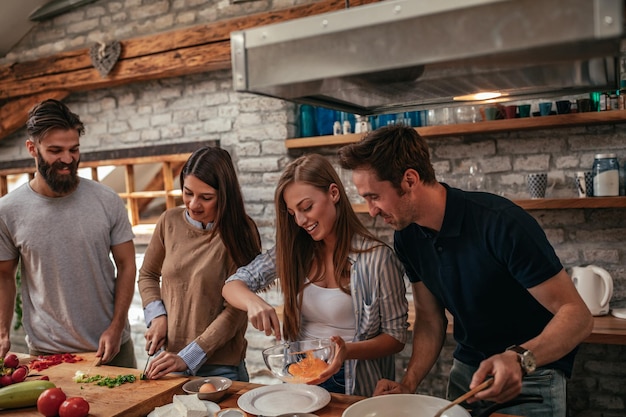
point(517, 315)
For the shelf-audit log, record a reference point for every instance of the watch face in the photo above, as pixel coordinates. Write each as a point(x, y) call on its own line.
point(528, 362)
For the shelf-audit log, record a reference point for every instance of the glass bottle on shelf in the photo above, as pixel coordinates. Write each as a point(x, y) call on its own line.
point(307, 121)
point(605, 175)
point(324, 120)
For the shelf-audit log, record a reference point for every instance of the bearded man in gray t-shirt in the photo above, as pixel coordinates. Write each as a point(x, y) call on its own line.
point(64, 229)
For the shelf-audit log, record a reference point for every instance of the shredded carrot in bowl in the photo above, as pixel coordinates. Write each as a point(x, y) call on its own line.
point(308, 368)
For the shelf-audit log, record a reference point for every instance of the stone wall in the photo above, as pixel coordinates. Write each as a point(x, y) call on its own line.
point(204, 107)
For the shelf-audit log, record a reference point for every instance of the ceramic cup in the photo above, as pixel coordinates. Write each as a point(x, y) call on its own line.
point(584, 105)
point(584, 183)
point(537, 184)
point(524, 110)
point(563, 106)
point(491, 113)
point(510, 112)
point(545, 108)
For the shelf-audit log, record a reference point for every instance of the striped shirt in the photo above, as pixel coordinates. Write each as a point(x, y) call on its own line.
point(379, 299)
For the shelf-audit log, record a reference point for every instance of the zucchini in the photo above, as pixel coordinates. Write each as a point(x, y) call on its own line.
point(23, 394)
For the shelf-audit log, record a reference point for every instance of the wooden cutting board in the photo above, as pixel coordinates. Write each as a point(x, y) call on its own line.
point(128, 400)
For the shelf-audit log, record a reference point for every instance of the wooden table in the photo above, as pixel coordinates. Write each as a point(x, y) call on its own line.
point(139, 398)
point(338, 402)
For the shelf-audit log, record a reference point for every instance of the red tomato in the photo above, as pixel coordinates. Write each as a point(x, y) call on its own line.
point(11, 361)
point(49, 401)
point(5, 380)
point(74, 407)
point(20, 373)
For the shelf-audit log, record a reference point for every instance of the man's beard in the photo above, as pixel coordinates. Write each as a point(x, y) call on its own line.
point(60, 184)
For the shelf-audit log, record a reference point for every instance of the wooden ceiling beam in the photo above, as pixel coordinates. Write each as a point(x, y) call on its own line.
point(173, 51)
point(13, 114)
point(176, 53)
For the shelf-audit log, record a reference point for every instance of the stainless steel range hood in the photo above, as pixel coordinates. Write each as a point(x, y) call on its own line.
point(411, 54)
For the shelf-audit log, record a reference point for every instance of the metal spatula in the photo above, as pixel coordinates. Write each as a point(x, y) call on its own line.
point(487, 383)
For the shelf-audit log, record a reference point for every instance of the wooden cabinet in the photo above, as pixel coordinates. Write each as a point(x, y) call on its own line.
point(494, 126)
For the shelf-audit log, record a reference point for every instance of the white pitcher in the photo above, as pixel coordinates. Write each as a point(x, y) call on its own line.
point(595, 286)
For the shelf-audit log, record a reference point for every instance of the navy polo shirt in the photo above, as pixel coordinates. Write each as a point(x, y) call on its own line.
point(479, 266)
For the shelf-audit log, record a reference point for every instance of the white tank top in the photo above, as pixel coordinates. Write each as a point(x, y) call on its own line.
point(327, 312)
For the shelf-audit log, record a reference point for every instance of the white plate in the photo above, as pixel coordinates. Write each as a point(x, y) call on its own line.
point(273, 400)
point(402, 405)
point(210, 406)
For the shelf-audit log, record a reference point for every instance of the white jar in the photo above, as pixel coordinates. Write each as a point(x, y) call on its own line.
point(605, 175)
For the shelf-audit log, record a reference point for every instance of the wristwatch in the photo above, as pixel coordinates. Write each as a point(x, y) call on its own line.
point(526, 359)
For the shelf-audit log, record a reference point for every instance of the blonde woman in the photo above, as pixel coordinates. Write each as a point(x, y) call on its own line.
point(337, 279)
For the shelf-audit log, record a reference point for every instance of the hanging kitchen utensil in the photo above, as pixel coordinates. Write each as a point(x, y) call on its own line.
point(486, 384)
point(104, 56)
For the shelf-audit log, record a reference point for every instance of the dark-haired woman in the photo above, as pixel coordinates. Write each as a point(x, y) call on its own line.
point(192, 251)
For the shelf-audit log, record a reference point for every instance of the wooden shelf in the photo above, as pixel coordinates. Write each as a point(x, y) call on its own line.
point(551, 203)
point(491, 126)
point(572, 203)
point(544, 122)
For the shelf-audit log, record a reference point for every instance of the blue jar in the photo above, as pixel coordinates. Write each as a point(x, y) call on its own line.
point(605, 175)
point(325, 118)
point(308, 125)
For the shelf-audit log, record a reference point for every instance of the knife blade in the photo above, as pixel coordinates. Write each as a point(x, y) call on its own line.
point(143, 374)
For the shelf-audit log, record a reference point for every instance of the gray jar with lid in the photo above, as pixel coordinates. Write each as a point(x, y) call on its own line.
point(605, 175)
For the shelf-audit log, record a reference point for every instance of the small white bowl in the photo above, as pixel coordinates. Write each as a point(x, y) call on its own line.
point(221, 385)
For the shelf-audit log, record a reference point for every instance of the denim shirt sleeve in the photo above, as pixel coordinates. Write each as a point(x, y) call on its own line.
point(154, 310)
point(258, 274)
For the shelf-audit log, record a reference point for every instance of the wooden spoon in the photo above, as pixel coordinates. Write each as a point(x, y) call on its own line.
point(486, 384)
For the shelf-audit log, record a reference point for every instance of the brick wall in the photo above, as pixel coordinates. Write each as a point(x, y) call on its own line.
point(204, 107)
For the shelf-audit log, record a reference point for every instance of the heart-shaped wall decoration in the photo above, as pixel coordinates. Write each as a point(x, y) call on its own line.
point(104, 56)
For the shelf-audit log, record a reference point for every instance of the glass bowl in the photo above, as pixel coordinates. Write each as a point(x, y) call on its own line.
point(301, 361)
point(220, 383)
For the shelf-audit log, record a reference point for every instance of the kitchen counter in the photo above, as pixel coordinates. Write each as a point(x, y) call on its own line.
point(606, 329)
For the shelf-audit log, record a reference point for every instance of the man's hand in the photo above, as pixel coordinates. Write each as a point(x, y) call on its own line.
point(507, 374)
point(109, 345)
point(386, 386)
point(5, 346)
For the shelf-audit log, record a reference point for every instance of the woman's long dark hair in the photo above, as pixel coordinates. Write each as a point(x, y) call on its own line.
point(214, 167)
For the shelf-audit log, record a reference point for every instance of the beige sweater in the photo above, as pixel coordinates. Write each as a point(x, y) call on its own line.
point(193, 269)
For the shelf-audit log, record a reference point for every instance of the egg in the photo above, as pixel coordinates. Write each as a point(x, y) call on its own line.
point(207, 387)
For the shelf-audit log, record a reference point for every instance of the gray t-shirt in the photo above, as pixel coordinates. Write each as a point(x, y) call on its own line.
point(68, 277)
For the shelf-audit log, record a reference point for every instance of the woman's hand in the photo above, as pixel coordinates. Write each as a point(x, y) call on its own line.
point(156, 334)
point(341, 353)
point(263, 317)
point(165, 363)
